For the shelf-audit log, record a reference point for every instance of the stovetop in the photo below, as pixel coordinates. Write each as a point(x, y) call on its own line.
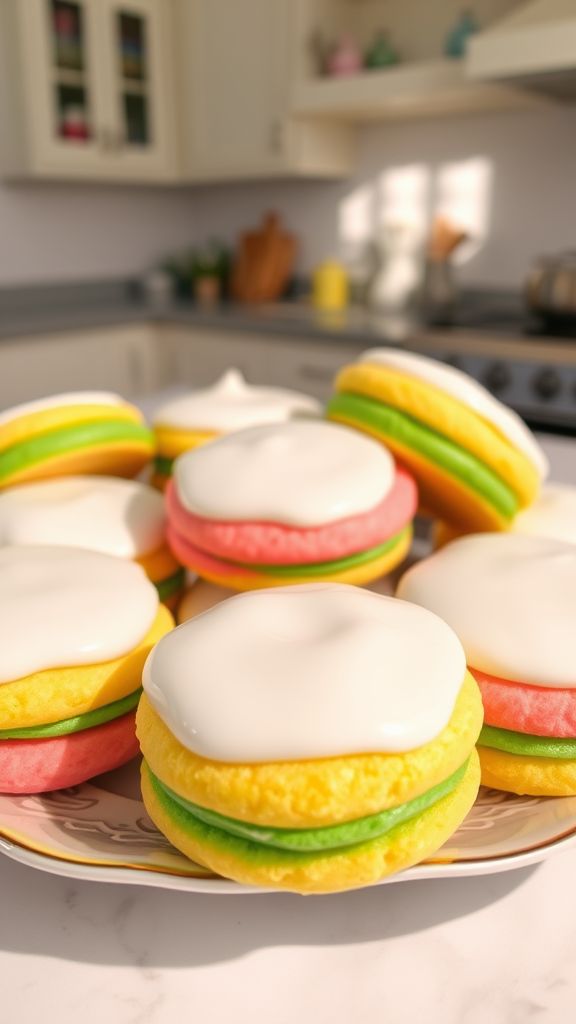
point(528, 363)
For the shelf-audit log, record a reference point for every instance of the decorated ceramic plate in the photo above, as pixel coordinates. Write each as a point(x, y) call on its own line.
point(100, 831)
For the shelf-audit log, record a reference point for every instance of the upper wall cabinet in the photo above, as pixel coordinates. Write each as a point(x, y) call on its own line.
point(236, 69)
point(87, 90)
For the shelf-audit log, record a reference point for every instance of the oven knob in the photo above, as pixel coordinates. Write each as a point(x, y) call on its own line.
point(497, 377)
point(547, 383)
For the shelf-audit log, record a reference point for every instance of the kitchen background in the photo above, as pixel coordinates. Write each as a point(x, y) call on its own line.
point(64, 232)
point(418, 161)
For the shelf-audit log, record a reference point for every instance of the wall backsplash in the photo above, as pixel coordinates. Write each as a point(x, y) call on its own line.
point(509, 177)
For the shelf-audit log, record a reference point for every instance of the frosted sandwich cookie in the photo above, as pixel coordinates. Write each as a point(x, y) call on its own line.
point(475, 461)
point(77, 627)
point(80, 432)
point(314, 738)
point(552, 515)
point(512, 601)
point(117, 517)
point(230, 404)
point(290, 503)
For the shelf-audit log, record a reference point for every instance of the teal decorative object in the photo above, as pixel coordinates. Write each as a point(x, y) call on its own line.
point(458, 36)
point(381, 53)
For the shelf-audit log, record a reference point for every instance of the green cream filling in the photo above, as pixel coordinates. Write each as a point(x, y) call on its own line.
point(163, 465)
point(70, 438)
point(326, 568)
point(170, 585)
point(253, 840)
point(433, 446)
point(525, 744)
point(77, 724)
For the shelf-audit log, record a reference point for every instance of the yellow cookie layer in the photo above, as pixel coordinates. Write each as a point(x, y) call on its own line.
point(533, 776)
point(114, 458)
point(159, 564)
point(59, 693)
point(357, 574)
point(449, 417)
point(310, 794)
point(366, 864)
point(448, 496)
point(443, 534)
point(172, 443)
point(36, 423)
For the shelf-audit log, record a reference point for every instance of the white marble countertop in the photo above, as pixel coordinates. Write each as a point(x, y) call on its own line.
point(497, 949)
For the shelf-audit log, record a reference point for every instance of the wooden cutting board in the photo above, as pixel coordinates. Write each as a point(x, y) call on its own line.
point(264, 263)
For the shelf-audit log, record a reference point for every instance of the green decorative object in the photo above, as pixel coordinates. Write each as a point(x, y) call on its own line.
point(381, 53)
point(458, 36)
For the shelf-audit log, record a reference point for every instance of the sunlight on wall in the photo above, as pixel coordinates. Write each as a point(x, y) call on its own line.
point(356, 216)
point(404, 197)
point(463, 194)
point(410, 196)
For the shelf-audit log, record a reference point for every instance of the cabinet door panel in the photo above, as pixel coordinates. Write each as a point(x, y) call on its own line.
point(139, 129)
point(235, 79)
point(108, 360)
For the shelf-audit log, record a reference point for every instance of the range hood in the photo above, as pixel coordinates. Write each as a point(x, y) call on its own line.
point(535, 48)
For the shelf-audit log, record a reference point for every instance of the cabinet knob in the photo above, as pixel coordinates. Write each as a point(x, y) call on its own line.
point(110, 140)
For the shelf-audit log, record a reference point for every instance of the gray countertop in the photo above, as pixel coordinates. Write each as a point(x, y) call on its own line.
point(48, 309)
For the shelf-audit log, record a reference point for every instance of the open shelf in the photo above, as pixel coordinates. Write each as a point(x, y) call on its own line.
point(437, 87)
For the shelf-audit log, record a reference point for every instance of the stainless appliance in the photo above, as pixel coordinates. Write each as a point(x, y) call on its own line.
point(503, 348)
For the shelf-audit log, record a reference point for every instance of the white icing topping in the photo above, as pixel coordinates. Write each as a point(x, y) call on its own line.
point(118, 517)
point(466, 390)
point(553, 514)
point(66, 606)
point(306, 672)
point(510, 599)
point(232, 404)
point(64, 401)
point(302, 473)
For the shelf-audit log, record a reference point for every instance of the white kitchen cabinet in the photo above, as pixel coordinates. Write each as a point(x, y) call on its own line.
point(196, 357)
point(87, 90)
point(122, 359)
point(534, 46)
point(235, 68)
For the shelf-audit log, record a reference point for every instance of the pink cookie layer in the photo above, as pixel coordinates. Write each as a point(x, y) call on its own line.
point(202, 562)
point(275, 544)
point(536, 710)
point(36, 766)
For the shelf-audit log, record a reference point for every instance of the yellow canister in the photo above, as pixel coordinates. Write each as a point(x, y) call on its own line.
point(330, 286)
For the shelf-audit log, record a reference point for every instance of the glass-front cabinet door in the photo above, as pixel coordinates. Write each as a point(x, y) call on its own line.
point(65, 103)
point(98, 88)
point(138, 81)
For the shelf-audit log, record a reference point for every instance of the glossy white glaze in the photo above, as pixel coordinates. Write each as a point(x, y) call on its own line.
point(67, 606)
point(305, 672)
point(118, 517)
point(552, 515)
point(302, 473)
point(511, 600)
point(466, 390)
point(64, 401)
point(232, 404)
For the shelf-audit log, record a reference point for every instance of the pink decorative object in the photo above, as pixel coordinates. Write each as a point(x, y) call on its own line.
point(345, 58)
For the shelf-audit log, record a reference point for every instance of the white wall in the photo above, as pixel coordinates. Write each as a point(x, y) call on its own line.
point(531, 205)
point(53, 232)
point(65, 232)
